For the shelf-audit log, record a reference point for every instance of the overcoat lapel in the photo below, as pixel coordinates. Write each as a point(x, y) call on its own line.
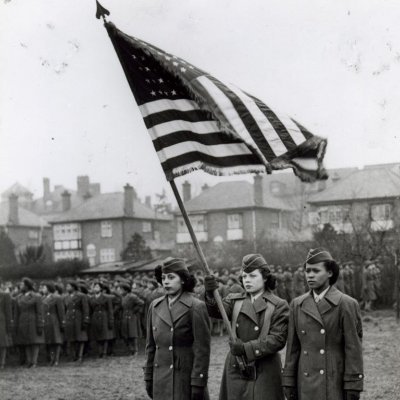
point(309, 307)
point(181, 306)
point(162, 310)
point(249, 310)
point(260, 304)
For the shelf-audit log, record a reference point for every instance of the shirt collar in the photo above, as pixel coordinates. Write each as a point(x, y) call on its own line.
point(254, 298)
point(318, 297)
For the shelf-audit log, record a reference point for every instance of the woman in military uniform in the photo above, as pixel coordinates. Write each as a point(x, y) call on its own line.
point(76, 319)
point(6, 325)
point(178, 338)
point(324, 349)
point(102, 318)
point(54, 322)
point(30, 322)
point(130, 327)
point(259, 323)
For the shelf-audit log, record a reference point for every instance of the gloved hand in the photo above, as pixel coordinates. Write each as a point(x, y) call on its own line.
point(197, 393)
point(237, 347)
point(290, 393)
point(351, 395)
point(210, 283)
point(149, 388)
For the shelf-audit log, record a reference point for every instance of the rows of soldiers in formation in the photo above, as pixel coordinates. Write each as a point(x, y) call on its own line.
point(69, 317)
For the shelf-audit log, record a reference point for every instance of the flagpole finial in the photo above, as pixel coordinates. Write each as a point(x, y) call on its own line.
point(101, 12)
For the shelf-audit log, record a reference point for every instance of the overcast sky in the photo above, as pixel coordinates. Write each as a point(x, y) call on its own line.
point(66, 108)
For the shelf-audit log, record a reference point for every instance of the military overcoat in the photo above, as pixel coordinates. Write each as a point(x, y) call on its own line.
point(263, 351)
point(30, 319)
point(102, 317)
point(6, 320)
point(177, 347)
point(324, 350)
point(54, 319)
point(76, 317)
point(132, 307)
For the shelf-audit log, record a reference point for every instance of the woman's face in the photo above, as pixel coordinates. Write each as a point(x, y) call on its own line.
point(317, 275)
point(253, 281)
point(96, 288)
point(44, 290)
point(172, 283)
point(69, 288)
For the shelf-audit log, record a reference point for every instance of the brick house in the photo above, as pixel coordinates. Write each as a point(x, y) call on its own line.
point(100, 228)
point(272, 206)
point(22, 226)
point(368, 198)
point(235, 210)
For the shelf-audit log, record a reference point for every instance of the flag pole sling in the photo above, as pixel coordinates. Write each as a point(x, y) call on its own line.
point(203, 260)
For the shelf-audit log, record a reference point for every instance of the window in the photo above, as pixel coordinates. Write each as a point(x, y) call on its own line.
point(107, 255)
point(91, 254)
point(146, 227)
point(235, 221)
point(67, 244)
point(334, 214)
point(68, 255)
point(33, 234)
point(106, 229)
point(275, 220)
point(67, 232)
point(199, 224)
point(381, 212)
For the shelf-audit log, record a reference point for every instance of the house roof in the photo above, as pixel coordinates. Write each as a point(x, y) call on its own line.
point(232, 195)
point(26, 217)
point(281, 191)
point(368, 183)
point(108, 206)
point(17, 189)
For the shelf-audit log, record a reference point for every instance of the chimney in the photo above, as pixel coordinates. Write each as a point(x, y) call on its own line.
point(83, 185)
point(13, 217)
point(94, 189)
point(258, 190)
point(187, 192)
point(128, 200)
point(147, 201)
point(65, 200)
point(46, 189)
point(204, 187)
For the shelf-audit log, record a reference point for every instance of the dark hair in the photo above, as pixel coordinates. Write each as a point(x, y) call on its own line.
point(28, 283)
point(332, 266)
point(50, 286)
point(268, 277)
point(59, 288)
point(188, 280)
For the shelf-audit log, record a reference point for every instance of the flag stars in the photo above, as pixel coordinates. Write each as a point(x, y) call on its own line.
point(175, 63)
point(173, 92)
point(161, 80)
point(153, 93)
point(167, 58)
point(147, 68)
point(183, 69)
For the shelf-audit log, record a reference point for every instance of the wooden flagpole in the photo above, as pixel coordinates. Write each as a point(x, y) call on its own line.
point(203, 260)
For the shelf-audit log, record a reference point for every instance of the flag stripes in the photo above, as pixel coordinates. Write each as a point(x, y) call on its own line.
point(196, 121)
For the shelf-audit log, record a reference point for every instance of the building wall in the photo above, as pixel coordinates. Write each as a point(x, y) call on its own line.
point(23, 236)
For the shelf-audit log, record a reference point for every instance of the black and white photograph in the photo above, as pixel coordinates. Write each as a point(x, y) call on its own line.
point(199, 200)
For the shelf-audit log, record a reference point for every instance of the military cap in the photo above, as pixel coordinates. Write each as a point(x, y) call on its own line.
point(173, 265)
point(28, 283)
point(317, 255)
point(73, 283)
point(252, 262)
point(59, 287)
point(50, 286)
point(125, 286)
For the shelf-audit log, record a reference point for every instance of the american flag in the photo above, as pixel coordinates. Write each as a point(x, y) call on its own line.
point(197, 122)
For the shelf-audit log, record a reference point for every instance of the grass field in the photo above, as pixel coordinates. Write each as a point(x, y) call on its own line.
point(120, 377)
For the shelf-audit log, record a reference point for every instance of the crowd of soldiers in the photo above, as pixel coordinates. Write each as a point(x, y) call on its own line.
point(73, 318)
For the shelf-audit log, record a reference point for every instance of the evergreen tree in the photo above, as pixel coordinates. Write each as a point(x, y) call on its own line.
point(136, 249)
point(7, 250)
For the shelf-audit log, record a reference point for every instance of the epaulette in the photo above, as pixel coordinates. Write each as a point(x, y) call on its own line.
point(235, 296)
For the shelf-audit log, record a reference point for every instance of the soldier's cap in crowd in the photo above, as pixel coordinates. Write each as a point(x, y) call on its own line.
point(367, 263)
point(50, 286)
point(153, 282)
point(252, 262)
point(28, 283)
point(173, 265)
point(317, 255)
point(72, 283)
point(125, 286)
